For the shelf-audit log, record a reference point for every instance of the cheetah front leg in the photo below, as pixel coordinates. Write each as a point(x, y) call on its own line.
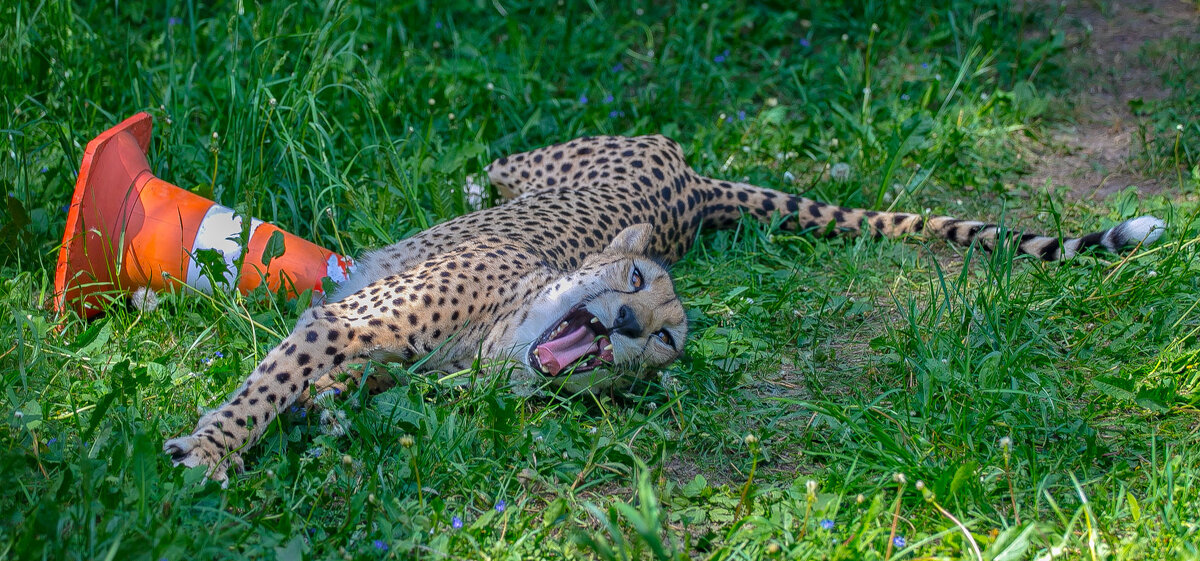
point(404, 317)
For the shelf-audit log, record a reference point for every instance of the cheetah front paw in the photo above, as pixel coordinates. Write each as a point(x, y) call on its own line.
point(192, 451)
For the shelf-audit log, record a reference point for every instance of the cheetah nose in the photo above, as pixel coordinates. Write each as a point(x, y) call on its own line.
point(626, 323)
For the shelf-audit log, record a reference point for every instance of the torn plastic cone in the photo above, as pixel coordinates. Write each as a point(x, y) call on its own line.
point(127, 229)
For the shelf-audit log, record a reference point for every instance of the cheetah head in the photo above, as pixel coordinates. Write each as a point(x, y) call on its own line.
point(615, 319)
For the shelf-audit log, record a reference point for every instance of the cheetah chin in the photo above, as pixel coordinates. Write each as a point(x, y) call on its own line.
point(578, 342)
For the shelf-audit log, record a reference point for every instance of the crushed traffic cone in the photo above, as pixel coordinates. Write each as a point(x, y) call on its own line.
point(128, 229)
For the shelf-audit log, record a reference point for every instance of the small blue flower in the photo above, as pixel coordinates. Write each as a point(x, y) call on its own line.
point(728, 119)
point(45, 169)
point(924, 65)
point(613, 114)
point(294, 409)
point(899, 541)
point(174, 21)
point(608, 98)
point(66, 208)
point(51, 441)
point(583, 99)
point(618, 67)
point(501, 505)
point(721, 57)
point(206, 361)
point(381, 545)
point(804, 43)
point(827, 524)
point(337, 391)
point(437, 24)
point(741, 115)
point(219, 354)
point(456, 523)
point(904, 97)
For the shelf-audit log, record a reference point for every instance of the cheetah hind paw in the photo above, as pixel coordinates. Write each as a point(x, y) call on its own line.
point(192, 451)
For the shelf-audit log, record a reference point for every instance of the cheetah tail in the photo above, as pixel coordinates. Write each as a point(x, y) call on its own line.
point(1143, 230)
point(808, 214)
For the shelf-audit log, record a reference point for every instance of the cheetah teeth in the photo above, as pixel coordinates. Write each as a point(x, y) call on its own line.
point(558, 331)
point(609, 347)
point(595, 320)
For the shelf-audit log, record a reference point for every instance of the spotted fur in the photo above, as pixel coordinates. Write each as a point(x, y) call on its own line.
point(583, 218)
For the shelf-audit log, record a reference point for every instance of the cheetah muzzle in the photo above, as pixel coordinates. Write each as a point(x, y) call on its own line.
point(589, 221)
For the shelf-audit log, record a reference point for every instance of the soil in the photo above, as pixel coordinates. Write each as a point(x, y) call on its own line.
point(1092, 152)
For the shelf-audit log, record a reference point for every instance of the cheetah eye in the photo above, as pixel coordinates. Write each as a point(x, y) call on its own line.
point(635, 278)
point(665, 336)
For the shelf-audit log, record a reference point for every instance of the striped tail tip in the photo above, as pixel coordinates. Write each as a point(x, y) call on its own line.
point(1143, 230)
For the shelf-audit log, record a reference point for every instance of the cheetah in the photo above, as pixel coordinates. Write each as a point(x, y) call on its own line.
point(565, 283)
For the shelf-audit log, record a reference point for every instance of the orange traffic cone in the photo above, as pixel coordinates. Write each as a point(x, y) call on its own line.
point(128, 229)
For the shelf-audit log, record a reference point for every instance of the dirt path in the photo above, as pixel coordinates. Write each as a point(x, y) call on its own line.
point(1091, 153)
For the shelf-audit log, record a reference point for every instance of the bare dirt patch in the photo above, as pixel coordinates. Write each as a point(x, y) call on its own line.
point(1091, 151)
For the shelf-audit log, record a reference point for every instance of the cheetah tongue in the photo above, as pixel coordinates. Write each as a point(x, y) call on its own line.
point(559, 353)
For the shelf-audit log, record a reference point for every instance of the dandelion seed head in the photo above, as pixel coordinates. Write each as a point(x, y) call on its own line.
point(144, 300)
point(840, 171)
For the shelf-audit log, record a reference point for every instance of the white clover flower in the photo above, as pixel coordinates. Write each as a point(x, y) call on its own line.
point(789, 177)
point(432, 101)
point(899, 477)
point(490, 86)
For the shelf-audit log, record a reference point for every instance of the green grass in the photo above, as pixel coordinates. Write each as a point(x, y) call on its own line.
point(849, 360)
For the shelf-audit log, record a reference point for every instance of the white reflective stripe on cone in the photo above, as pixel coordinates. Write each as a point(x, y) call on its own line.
point(221, 231)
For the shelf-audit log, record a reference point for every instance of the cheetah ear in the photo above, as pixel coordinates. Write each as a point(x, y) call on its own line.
point(634, 239)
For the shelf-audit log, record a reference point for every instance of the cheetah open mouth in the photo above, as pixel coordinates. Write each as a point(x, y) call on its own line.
point(578, 342)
